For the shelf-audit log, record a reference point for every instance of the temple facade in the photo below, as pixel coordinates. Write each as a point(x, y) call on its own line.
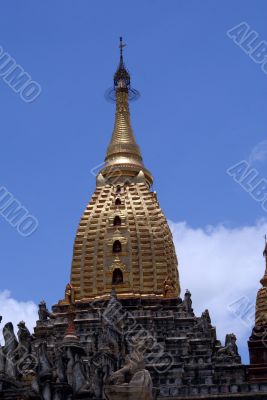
point(122, 329)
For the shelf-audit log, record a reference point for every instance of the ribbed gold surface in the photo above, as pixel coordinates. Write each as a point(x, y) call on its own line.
point(261, 302)
point(123, 141)
point(147, 256)
point(123, 154)
point(261, 307)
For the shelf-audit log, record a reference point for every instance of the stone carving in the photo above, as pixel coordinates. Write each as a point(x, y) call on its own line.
point(230, 350)
point(131, 381)
point(26, 363)
point(80, 382)
point(42, 382)
point(188, 302)
point(10, 339)
point(186, 305)
point(230, 347)
point(61, 366)
point(43, 312)
point(24, 336)
point(205, 321)
point(168, 287)
point(69, 295)
point(70, 368)
point(44, 363)
point(10, 350)
point(108, 340)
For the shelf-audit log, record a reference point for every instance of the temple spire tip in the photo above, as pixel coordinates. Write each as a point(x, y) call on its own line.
point(121, 46)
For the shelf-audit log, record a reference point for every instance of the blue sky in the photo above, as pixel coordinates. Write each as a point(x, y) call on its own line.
point(202, 109)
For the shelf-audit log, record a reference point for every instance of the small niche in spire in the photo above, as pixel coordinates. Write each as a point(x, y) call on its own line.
point(117, 277)
point(116, 246)
point(117, 221)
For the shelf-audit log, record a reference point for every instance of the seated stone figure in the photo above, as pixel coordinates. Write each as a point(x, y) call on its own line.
point(230, 351)
point(43, 312)
point(130, 382)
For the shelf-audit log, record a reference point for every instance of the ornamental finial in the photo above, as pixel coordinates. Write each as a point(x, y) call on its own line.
point(121, 46)
point(122, 80)
point(122, 77)
point(123, 157)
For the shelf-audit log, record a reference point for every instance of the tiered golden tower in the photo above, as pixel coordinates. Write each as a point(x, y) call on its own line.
point(261, 302)
point(123, 241)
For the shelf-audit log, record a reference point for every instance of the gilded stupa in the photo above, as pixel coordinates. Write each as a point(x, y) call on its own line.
point(123, 241)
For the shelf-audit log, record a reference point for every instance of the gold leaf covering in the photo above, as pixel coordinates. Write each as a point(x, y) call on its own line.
point(123, 240)
point(147, 255)
point(261, 302)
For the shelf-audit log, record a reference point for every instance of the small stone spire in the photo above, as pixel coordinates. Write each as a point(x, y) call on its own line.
point(123, 157)
point(264, 279)
point(70, 333)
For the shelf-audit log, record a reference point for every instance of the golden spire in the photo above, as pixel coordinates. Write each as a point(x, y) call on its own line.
point(123, 240)
point(264, 279)
point(123, 157)
point(261, 301)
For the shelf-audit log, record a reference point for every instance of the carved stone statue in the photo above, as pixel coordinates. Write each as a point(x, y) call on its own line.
point(41, 384)
point(206, 315)
point(187, 303)
point(43, 312)
point(61, 364)
point(9, 350)
point(131, 382)
point(24, 336)
point(69, 295)
point(80, 383)
point(108, 339)
point(230, 350)
point(168, 287)
point(70, 369)
point(205, 321)
point(44, 364)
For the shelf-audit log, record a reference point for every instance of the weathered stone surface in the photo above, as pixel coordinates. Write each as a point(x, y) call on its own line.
point(76, 354)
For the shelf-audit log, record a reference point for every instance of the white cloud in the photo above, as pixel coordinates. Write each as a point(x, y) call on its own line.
point(15, 311)
point(220, 265)
point(258, 153)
